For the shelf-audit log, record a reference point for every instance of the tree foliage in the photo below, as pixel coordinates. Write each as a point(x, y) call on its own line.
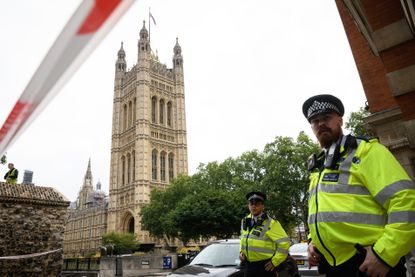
point(355, 122)
point(122, 242)
point(286, 179)
point(3, 159)
point(211, 202)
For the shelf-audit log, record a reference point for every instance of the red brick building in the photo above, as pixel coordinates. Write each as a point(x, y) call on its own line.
point(381, 34)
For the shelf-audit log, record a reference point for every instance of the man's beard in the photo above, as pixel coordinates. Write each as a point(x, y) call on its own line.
point(327, 136)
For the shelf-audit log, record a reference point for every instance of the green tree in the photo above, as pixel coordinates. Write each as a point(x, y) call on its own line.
point(355, 122)
point(3, 159)
point(211, 213)
point(156, 217)
point(211, 202)
point(122, 242)
point(286, 178)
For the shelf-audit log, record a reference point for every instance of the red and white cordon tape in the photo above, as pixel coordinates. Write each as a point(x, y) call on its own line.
point(86, 28)
point(27, 256)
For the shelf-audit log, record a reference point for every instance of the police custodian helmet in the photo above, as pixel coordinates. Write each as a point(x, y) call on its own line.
point(256, 196)
point(321, 104)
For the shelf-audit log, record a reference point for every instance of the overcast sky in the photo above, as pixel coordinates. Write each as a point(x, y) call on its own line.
point(249, 66)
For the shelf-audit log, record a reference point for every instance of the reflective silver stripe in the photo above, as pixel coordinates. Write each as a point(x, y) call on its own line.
point(401, 217)
point(282, 240)
point(312, 192)
point(266, 227)
point(311, 219)
point(349, 217)
point(260, 250)
point(346, 164)
point(282, 250)
point(391, 189)
point(341, 188)
point(258, 238)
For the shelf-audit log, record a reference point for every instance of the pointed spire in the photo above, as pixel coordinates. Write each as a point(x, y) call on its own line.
point(177, 47)
point(144, 42)
point(121, 64)
point(177, 58)
point(121, 52)
point(88, 174)
point(144, 32)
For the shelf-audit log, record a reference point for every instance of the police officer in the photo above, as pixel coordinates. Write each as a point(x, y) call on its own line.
point(362, 202)
point(264, 243)
point(11, 175)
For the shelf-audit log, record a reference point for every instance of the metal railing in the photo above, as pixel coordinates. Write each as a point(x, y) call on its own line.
point(83, 264)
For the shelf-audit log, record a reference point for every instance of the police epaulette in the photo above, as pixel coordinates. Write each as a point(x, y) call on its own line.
point(366, 138)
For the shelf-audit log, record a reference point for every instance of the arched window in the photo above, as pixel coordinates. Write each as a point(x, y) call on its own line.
point(161, 117)
point(133, 177)
point(163, 166)
point(123, 170)
point(130, 113)
point(128, 168)
point(125, 117)
point(154, 164)
point(169, 114)
point(153, 109)
point(171, 166)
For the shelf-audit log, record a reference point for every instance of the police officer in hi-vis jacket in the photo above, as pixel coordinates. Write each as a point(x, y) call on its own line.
point(264, 243)
point(361, 202)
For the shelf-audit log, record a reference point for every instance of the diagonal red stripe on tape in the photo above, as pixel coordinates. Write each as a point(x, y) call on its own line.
point(101, 11)
point(17, 113)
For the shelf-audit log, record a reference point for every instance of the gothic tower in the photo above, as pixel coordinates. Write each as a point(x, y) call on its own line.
point(149, 145)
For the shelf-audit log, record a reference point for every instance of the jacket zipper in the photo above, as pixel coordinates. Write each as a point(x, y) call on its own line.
point(315, 221)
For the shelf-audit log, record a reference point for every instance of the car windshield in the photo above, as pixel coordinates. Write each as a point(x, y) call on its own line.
point(217, 255)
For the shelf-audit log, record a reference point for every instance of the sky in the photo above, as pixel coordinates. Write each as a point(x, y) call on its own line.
point(248, 68)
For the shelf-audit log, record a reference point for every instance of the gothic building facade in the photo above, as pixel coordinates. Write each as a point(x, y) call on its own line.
point(86, 219)
point(149, 148)
point(149, 145)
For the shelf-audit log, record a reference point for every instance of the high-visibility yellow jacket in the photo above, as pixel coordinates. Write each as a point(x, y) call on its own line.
point(264, 240)
point(11, 176)
point(369, 199)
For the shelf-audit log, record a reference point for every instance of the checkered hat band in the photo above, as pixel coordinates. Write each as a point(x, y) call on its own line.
point(321, 106)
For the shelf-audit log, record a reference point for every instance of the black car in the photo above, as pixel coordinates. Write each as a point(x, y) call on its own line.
point(220, 259)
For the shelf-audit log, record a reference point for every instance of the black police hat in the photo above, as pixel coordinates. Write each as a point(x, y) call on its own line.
point(256, 196)
point(321, 104)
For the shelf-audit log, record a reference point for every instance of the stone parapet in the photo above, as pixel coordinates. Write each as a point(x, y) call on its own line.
point(31, 230)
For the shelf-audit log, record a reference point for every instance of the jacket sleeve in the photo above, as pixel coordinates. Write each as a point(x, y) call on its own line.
point(281, 240)
point(392, 188)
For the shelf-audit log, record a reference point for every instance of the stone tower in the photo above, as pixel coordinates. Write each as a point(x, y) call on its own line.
point(149, 145)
